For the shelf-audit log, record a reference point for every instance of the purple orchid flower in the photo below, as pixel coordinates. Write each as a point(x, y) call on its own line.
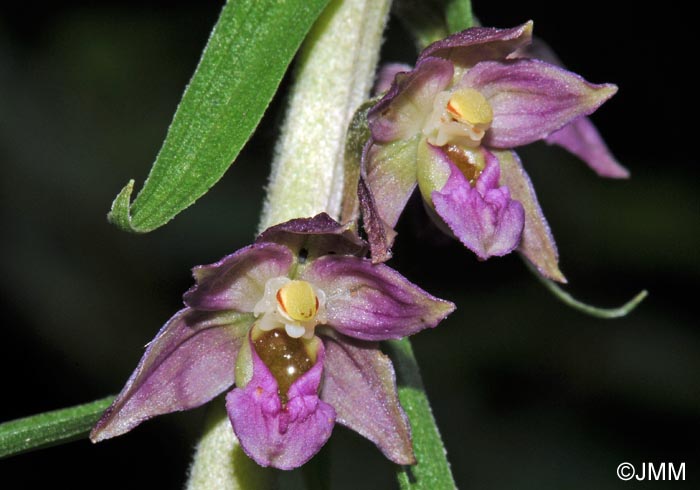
point(449, 126)
point(580, 137)
point(293, 321)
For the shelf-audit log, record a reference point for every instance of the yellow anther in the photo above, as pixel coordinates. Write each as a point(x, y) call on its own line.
point(469, 106)
point(298, 301)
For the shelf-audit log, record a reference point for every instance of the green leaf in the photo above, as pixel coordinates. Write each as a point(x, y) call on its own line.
point(50, 428)
point(243, 63)
point(433, 470)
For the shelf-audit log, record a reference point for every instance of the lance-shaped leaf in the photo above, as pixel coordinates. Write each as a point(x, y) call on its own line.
point(50, 428)
point(248, 53)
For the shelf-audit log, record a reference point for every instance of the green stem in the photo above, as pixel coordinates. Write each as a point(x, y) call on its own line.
point(335, 73)
point(50, 428)
point(595, 311)
point(334, 76)
point(433, 470)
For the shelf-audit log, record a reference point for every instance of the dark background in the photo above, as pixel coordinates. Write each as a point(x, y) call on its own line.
point(527, 392)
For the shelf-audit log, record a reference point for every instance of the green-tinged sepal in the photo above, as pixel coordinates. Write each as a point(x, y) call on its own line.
point(537, 243)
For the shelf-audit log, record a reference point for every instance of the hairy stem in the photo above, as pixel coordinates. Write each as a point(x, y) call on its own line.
point(334, 75)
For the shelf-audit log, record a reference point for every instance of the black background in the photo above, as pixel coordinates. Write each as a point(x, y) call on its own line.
point(527, 393)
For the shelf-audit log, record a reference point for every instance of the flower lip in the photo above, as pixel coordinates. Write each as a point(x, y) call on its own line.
point(286, 357)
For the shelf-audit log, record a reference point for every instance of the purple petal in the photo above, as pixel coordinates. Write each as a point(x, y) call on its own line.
point(237, 282)
point(484, 218)
point(537, 243)
point(402, 112)
point(273, 435)
point(319, 235)
point(386, 76)
point(359, 382)
point(581, 138)
point(468, 47)
point(372, 301)
point(189, 362)
point(531, 99)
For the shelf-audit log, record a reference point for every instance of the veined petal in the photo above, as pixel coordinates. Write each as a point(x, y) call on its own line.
point(319, 235)
point(391, 176)
point(484, 218)
point(372, 301)
point(237, 282)
point(531, 99)
point(468, 47)
point(359, 382)
point(284, 437)
point(189, 362)
point(581, 138)
point(402, 112)
point(537, 243)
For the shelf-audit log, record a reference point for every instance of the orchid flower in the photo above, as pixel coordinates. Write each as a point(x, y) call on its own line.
point(449, 126)
point(580, 137)
point(293, 322)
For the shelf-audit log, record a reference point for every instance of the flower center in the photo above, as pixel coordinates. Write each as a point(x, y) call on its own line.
point(295, 305)
point(298, 301)
point(468, 106)
point(460, 118)
point(287, 358)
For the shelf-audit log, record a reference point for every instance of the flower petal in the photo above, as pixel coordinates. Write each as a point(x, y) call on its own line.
point(379, 234)
point(273, 435)
point(372, 301)
point(391, 176)
point(484, 218)
point(468, 47)
point(386, 76)
point(581, 138)
point(189, 362)
point(537, 243)
point(402, 112)
point(359, 382)
point(237, 282)
point(531, 99)
point(319, 235)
